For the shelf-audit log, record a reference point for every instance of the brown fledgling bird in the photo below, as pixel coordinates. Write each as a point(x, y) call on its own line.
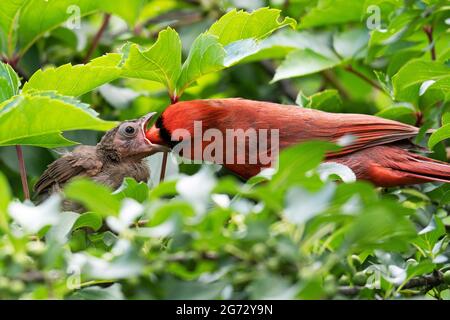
point(118, 155)
point(382, 151)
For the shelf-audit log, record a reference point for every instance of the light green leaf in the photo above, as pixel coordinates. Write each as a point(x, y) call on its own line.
point(349, 44)
point(404, 112)
point(93, 196)
point(38, 17)
point(206, 55)
point(411, 76)
point(128, 10)
point(161, 62)
point(59, 232)
point(113, 292)
point(33, 218)
point(295, 161)
point(327, 100)
point(238, 25)
point(76, 80)
point(132, 189)
point(439, 135)
point(303, 62)
point(88, 220)
point(9, 11)
point(5, 198)
point(328, 12)
point(9, 82)
point(38, 118)
point(302, 205)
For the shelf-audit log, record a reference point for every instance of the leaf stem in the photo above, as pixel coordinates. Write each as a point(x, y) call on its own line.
point(350, 69)
point(13, 62)
point(97, 37)
point(23, 172)
point(429, 32)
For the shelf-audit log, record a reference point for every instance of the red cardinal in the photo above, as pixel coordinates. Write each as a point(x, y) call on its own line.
point(380, 150)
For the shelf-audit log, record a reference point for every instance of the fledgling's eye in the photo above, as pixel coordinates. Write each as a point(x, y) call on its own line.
point(128, 131)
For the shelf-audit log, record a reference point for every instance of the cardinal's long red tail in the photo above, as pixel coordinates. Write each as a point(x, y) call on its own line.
point(424, 168)
point(392, 165)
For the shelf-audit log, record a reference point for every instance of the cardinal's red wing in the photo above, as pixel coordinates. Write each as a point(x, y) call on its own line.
point(368, 131)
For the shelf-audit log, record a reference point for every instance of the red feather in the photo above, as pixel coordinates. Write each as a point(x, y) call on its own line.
point(378, 152)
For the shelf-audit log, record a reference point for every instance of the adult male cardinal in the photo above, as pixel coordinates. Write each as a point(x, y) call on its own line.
point(381, 151)
point(119, 154)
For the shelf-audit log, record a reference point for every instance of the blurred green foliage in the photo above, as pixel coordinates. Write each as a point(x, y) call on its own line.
point(203, 234)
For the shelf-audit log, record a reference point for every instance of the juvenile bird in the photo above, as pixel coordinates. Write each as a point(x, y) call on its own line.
point(380, 152)
point(119, 154)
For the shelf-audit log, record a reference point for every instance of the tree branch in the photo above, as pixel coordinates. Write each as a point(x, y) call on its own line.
point(330, 77)
point(97, 37)
point(163, 166)
point(23, 172)
point(429, 32)
point(350, 69)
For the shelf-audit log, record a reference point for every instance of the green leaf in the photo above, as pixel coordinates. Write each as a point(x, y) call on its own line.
point(9, 12)
point(403, 112)
point(38, 17)
point(130, 188)
point(409, 79)
point(42, 116)
point(113, 292)
point(349, 44)
point(128, 10)
point(382, 225)
point(270, 286)
point(303, 62)
point(76, 80)
point(93, 196)
point(439, 135)
point(206, 56)
point(9, 82)
point(161, 62)
point(295, 161)
point(328, 12)
point(237, 25)
point(35, 218)
point(88, 220)
point(327, 100)
point(5, 198)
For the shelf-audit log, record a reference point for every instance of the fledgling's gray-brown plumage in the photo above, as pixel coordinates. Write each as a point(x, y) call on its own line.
point(118, 155)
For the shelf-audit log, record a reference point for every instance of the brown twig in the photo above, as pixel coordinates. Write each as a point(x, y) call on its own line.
point(163, 166)
point(97, 37)
point(429, 32)
point(330, 77)
point(13, 62)
point(350, 69)
point(23, 172)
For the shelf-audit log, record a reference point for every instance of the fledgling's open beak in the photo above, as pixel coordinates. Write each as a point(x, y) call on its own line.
point(150, 147)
